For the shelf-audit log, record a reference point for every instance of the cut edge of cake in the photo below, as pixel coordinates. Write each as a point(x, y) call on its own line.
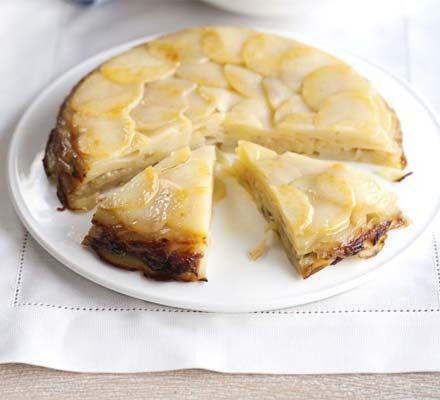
point(365, 241)
point(164, 231)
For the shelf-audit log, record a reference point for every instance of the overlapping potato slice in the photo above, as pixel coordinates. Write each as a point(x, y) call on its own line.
point(300, 122)
point(152, 216)
point(206, 73)
point(263, 52)
point(164, 101)
point(351, 110)
point(332, 200)
point(243, 80)
point(100, 96)
point(208, 130)
point(256, 109)
point(370, 195)
point(176, 158)
point(279, 171)
point(299, 62)
point(224, 44)
point(101, 136)
point(223, 99)
point(173, 195)
point(246, 120)
point(295, 206)
point(137, 193)
point(190, 209)
point(137, 65)
point(276, 91)
point(329, 80)
point(198, 107)
point(293, 105)
point(180, 46)
point(148, 117)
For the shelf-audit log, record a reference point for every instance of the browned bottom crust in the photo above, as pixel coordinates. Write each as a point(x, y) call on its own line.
point(62, 162)
point(160, 259)
point(367, 244)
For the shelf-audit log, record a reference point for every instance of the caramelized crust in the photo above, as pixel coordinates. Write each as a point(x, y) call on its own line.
point(365, 245)
point(62, 162)
point(158, 258)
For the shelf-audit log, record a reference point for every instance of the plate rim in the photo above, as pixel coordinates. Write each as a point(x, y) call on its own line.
point(27, 218)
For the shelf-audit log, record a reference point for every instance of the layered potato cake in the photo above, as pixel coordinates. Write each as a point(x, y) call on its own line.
point(214, 85)
point(145, 125)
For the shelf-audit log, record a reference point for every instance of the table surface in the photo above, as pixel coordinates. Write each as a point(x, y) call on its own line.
point(23, 381)
point(399, 35)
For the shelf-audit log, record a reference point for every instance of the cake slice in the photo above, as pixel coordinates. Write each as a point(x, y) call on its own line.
point(323, 211)
point(158, 222)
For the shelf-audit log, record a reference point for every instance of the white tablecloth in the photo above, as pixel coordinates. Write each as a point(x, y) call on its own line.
point(52, 317)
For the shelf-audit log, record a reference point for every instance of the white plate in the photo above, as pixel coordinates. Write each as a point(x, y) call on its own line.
point(235, 283)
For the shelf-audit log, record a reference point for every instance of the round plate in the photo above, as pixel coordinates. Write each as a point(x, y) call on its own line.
point(236, 284)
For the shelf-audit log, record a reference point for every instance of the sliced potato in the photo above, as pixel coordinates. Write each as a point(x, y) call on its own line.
point(223, 99)
point(137, 65)
point(295, 207)
point(327, 81)
point(224, 44)
point(256, 108)
point(276, 91)
point(97, 95)
point(198, 107)
point(164, 101)
point(242, 119)
point(176, 157)
point(251, 152)
point(153, 216)
point(241, 126)
point(180, 46)
point(166, 138)
point(135, 194)
point(168, 132)
point(332, 199)
point(349, 109)
point(263, 52)
point(166, 91)
point(102, 137)
point(149, 117)
point(207, 73)
point(293, 105)
point(243, 80)
point(369, 194)
point(280, 170)
point(209, 129)
point(209, 122)
point(299, 62)
point(300, 122)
